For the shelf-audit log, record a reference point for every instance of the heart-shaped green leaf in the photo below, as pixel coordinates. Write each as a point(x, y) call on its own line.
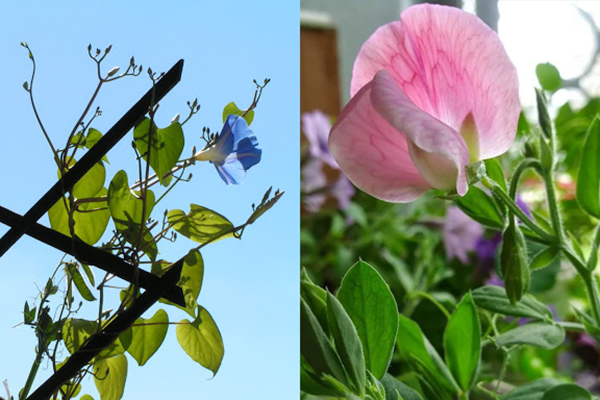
point(232, 108)
point(128, 212)
point(147, 336)
point(201, 340)
point(201, 224)
point(190, 280)
point(164, 145)
point(89, 225)
point(109, 376)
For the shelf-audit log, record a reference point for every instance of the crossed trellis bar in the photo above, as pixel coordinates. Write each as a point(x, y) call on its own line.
point(155, 287)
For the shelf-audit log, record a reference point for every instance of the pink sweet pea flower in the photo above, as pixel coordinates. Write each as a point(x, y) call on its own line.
point(432, 93)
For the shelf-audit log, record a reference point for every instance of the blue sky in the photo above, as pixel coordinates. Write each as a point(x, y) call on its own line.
point(250, 286)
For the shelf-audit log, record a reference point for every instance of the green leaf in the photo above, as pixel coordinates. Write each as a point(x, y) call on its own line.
point(590, 324)
point(126, 211)
point(89, 225)
point(567, 391)
point(109, 376)
point(311, 385)
point(82, 288)
point(90, 183)
point(76, 331)
point(232, 108)
point(316, 349)
point(373, 310)
point(494, 171)
point(588, 177)
point(316, 299)
point(201, 340)
point(86, 397)
point(493, 298)
point(462, 343)
point(480, 207)
point(544, 258)
point(548, 76)
point(201, 224)
point(167, 145)
point(531, 391)
point(190, 280)
point(415, 347)
point(147, 336)
point(396, 390)
point(347, 344)
point(29, 315)
point(537, 334)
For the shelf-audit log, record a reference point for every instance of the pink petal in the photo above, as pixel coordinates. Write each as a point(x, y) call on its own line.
point(449, 63)
point(438, 151)
point(372, 154)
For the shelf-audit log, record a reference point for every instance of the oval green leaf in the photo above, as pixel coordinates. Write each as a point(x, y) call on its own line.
point(531, 391)
point(373, 310)
point(548, 77)
point(537, 334)
point(201, 340)
point(480, 207)
point(462, 343)
point(493, 298)
point(347, 344)
point(190, 280)
point(567, 391)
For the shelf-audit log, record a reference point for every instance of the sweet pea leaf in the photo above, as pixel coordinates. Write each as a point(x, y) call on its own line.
point(493, 298)
point(109, 376)
point(462, 343)
point(190, 280)
point(316, 349)
point(494, 171)
point(544, 258)
point(315, 298)
point(201, 224)
point(537, 334)
point(347, 344)
point(167, 145)
point(588, 177)
point(126, 211)
point(480, 207)
point(531, 391)
point(396, 390)
point(373, 310)
point(548, 76)
point(201, 340)
point(414, 347)
point(566, 391)
point(147, 336)
point(89, 225)
point(232, 108)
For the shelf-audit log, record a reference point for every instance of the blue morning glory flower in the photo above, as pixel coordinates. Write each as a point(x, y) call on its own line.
point(235, 151)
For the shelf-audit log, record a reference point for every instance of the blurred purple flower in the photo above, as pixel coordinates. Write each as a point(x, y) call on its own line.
point(313, 179)
point(343, 190)
point(316, 126)
point(494, 280)
point(460, 234)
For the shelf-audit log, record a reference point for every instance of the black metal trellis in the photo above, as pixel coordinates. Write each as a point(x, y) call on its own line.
point(155, 287)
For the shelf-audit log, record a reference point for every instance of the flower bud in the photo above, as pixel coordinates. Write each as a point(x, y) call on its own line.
point(112, 72)
point(175, 119)
point(513, 262)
